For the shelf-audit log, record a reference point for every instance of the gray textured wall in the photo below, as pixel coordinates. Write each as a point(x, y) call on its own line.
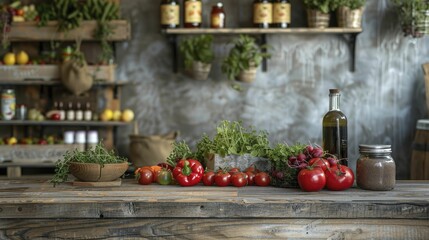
point(383, 99)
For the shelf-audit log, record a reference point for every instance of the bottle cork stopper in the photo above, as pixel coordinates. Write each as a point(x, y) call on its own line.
point(334, 90)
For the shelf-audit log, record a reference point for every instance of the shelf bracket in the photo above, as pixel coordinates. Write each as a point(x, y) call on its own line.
point(351, 42)
point(174, 45)
point(264, 50)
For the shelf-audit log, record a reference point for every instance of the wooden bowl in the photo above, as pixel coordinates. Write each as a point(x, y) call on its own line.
point(94, 172)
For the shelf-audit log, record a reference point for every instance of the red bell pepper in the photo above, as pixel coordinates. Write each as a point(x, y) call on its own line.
point(188, 172)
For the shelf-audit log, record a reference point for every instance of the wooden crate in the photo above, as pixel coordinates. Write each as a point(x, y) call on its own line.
point(34, 153)
point(52, 72)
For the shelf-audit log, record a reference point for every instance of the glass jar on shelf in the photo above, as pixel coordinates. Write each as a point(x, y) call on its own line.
point(217, 16)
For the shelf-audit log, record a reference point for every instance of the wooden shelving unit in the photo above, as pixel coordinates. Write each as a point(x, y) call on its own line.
point(349, 35)
point(62, 123)
point(31, 32)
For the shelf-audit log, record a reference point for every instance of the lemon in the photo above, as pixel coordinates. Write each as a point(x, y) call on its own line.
point(116, 115)
point(12, 141)
point(106, 115)
point(127, 115)
point(9, 59)
point(22, 58)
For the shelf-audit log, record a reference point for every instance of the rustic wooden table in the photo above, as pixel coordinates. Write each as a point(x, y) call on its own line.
point(33, 209)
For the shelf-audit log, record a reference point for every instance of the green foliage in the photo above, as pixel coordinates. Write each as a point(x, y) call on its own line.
point(181, 150)
point(410, 13)
point(279, 157)
point(98, 154)
point(66, 12)
point(198, 48)
point(352, 4)
point(244, 54)
point(324, 6)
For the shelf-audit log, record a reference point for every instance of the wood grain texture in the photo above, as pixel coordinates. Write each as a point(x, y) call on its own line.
point(262, 31)
point(213, 229)
point(29, 31)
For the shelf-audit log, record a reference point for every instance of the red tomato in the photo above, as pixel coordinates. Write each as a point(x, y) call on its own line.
point(339, 178)
point(319, 162)
point(250, 178)
point(145, 176)
point(239, 179)
point(311, 179)
point(222, 179)
point(56, 116)
point(262, 179)
point(233, 171)
point(251, 168)
point(209, 178)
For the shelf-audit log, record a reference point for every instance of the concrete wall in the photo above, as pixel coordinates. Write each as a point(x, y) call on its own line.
point(382, 99)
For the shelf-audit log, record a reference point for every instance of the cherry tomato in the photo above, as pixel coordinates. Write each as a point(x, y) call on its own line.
point(311, 179)
point(239, 179)
point(262, 179)
point(319, 162)
point(233, 171)
point(250, 178)
point(209, 178)
point(222, 179)
point(339, 178)
point(144, 176)
point(164, 177)
point(251, 168)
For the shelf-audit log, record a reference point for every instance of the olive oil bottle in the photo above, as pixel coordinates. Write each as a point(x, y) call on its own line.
point(334, 132)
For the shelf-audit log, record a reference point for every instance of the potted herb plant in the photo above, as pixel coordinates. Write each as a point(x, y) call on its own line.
point(243, 59)
point(198, 55)
point(318, 12)
point(92, 165)
point(349, 13)
point(414, 16)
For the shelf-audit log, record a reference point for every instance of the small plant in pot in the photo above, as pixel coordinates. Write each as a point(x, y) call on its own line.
point(414, 17)
point(92, 165)
point(349, 13)
point(243, 59)
point(198, 55)
point(318, 12)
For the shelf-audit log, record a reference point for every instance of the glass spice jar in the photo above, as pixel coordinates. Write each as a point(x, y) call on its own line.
point(217, 16)
point(375, 168)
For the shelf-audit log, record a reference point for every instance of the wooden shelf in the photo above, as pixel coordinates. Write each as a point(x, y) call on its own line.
point(30, 32)
point(349, 34)
point(262, 31)
point(63, 123)
point(57, 83)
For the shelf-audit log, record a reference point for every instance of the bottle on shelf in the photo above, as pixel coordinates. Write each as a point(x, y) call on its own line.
point(262, 13)
point(170, 14)
point(87, 115)
point(281, 13)
point(334, 130)
point(70, 112)
point(217, 16)
point(61, 111)
point(78, 112)
point(193, 13)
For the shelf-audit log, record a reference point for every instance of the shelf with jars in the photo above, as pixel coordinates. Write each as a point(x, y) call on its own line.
point(269, 18)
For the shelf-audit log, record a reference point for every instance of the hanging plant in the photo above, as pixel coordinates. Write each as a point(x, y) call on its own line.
point(5, 19)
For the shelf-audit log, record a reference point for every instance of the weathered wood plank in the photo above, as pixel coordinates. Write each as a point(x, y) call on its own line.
point(261, 31)
point(29, 31)
point(213, 229)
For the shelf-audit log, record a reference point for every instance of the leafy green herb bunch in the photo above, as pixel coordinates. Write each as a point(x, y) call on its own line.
point(352, 4)
point(325, 6)
point(197, 49)
point(411, 12)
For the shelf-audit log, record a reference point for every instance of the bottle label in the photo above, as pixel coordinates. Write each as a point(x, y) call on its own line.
point(8, 105)
point(262, 13)
point(281, 13)
point(170, 14)
point(193, 12)
point(217, 21)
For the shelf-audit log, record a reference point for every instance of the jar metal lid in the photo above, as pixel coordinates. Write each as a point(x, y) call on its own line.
point(423, 124)
point(365, 148)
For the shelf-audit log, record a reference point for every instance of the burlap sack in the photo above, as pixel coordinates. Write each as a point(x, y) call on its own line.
point(75, 77)
point(151, 150)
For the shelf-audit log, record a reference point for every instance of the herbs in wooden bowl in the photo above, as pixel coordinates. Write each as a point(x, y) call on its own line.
point(92, 165)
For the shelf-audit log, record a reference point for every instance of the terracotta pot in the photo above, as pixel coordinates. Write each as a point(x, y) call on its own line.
point(200, 70)
point(317, 19)
point(349, 18)
point(94, 172)
point(248, 75)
